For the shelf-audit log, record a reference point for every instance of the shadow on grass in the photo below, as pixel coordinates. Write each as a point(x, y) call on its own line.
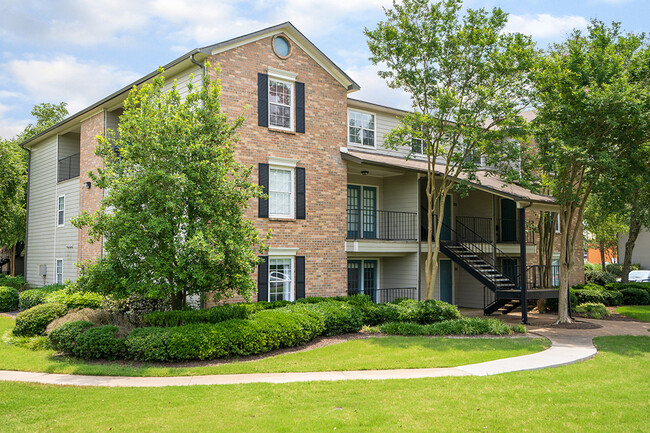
point(629, 346)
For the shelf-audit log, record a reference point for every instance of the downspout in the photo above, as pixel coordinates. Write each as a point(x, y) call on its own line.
point(199, 64)
point(29, 177)
point(522, 259)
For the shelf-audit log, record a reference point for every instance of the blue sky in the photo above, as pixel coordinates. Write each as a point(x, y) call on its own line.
point(79, 51)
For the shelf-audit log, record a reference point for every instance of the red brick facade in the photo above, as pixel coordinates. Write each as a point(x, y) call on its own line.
point(89, 199)
point(320, 237)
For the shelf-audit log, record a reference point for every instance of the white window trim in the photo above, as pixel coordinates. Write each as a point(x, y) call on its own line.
point(292, 107)
point(280, 75)
point(56, 271)
point(59, 210)
point(292, 199)
point(365, 146)
point(292, 288)
point(282, 162)
point(286, 252)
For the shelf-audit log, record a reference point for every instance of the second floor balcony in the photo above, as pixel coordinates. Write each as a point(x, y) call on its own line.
point(382, 225)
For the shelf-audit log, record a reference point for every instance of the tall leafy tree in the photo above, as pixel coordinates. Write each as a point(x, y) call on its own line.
point(13, 177)
point(603, 224)
point(468, 81)
point(172, 216)
point(590, 110)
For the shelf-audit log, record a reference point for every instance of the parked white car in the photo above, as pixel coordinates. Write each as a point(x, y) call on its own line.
point(639, 277)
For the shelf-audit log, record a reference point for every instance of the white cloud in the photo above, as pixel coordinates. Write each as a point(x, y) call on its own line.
point(64, 78)
point(9, 128)
point(374, 88)
point(545, 26)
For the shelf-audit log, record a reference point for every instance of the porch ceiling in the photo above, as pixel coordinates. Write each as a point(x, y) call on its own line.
point(488, 182)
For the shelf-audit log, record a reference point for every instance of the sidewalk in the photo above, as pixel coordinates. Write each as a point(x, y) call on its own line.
point(568, 346)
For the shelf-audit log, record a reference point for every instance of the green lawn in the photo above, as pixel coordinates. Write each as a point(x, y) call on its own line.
point(638, 312)
point(373, 353)
point(609, 393)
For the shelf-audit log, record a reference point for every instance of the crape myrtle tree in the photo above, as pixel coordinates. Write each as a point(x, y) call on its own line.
point(591, 109)
point(468, 81)
point(172, 216)
point(13, 177)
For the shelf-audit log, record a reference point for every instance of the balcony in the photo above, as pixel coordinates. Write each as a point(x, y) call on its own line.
point(382, 225)
point(68, 167)
point(477, 229)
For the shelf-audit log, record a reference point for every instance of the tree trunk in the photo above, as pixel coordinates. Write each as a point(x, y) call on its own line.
point(178, 300)
point(566, 260)
point(635, 229)
point(12, 261)
point(601, 247)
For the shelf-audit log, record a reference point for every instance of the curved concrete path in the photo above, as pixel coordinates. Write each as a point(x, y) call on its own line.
point(568, 347)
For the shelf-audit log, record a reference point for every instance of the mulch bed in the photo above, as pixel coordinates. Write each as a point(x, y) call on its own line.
point(576, 325)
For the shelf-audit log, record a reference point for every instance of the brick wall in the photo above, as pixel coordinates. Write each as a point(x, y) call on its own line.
point(89, 199)
point(321, 236)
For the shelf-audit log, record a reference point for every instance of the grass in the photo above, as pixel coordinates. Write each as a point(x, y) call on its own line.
point(606, 394)
point(373, 353)
point(638, 312)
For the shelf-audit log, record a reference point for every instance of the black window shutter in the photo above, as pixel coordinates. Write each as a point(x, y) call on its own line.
point(300, 193)
point(300, 277)
point(263, 204)
point(300, 107)
point(263, 100)
point(263, 279)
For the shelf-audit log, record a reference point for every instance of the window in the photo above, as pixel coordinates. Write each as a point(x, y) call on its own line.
point(280, 104)
point(281, 192)
point(281, 46)
point(417, 147)
point(361, 128)
point(59, 271)
point(557, 224)
point(60, 217)
point(280, 279)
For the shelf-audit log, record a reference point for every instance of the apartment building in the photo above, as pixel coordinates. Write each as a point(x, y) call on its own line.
point(345, 212)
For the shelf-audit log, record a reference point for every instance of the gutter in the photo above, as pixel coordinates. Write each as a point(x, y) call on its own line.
point(199, 64)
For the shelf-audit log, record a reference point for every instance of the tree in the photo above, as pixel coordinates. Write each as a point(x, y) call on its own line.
point(13, 177)
point(603, 225)
point(590, 109)
point(468, 82)
point(172, 213)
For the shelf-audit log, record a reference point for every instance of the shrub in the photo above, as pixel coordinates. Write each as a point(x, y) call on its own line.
point(589, 286)
point(33, 321)
point(96, 317)
point(621, 286)
point(593, 310)
point(99, 343)
point(134, 307)
point(212, 315)
point(33, 297)
point(552, 303)
point(313, 300)
point(599, 277)
point(17, 282)
point(8, 299)
point(606, 297)
point(464, 326)
point(617, 268)
point(340, 318)
point(426, 312)
point(64, 337)
point(634, 296)
point(75, 299)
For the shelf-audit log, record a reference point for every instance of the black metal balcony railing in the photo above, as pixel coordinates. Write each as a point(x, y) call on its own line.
point(543, 277)
point(381, 296)
point(68, 167)
point(507, 230)
point(382, 225)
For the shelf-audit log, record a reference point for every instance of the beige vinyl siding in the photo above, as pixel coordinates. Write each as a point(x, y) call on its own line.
point(67, 236)
point(475, 204)
point(399, 272)
point(401, 193)
point(468, 291)
point(183, 79)
point(42, 212)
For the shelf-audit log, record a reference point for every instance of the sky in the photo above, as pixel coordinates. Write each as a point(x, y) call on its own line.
point(80, 51)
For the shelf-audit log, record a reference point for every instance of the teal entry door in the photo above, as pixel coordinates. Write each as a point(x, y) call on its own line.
point(508, 220)
point(446, 283)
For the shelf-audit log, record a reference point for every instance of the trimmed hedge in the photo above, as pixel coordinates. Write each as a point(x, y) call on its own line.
point(63, 338)
point(634, 296)
point(100, 343)
point(33, 297)
point(595, 311)
point(426, 312)
point(215, 314)
point(339, 317)
point(621, 286)
point(606, 297)
point(75, 299)
point(33, 321)
point(17, 282)
point(464, 326)
point(8, 299)
point(599, 277)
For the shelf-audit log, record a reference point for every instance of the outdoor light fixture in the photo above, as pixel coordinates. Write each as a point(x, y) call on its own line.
point(364, 172)
point(87, 185)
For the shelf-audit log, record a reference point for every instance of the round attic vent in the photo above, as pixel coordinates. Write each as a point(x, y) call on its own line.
point(281, 46)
